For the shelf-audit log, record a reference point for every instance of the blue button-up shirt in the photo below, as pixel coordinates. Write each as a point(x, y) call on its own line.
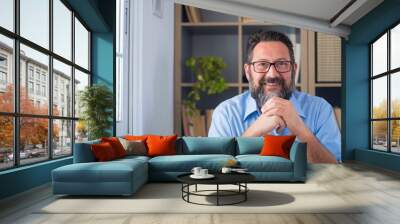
point(233, 116)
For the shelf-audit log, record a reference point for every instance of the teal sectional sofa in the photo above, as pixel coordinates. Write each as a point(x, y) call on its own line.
point(125, 176)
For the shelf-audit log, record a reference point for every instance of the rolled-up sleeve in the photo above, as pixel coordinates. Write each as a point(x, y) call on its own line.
point(327, 130)
point(220, 123)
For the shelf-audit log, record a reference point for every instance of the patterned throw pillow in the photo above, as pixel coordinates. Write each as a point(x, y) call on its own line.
point(134, 147)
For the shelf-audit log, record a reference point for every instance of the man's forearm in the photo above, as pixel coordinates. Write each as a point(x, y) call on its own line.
point(316, 152)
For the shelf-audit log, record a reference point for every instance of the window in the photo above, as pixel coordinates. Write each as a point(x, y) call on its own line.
point(45, 131)
point(3, 61)
point(43, 90)
point(38, 89)
point(119, 64)
point(3, 78)
point(3, 72)
point(30, 87)
point(81, 45)
point(7, 74)
point(34, 21)
point(7, 14)
point(62, 29)
point(385, 97)
point(62, 74)
point(37, 75)
point(30, 72)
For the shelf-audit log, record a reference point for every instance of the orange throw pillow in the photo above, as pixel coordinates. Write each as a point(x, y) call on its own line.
point(161, 145)
point(116, 145)
point(103, 152)
point(277, 145)
point(135, 137)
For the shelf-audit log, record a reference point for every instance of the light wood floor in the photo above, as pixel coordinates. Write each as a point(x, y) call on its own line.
point(378, 188)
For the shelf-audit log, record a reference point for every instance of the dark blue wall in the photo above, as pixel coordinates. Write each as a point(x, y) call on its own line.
point(356, 84)
point(103, 62)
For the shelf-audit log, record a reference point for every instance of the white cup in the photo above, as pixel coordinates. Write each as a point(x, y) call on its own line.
point(196, 171)
point(226, 170)
point(203, 172)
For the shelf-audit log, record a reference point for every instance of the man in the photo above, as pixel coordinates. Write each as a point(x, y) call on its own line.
point(273, 106)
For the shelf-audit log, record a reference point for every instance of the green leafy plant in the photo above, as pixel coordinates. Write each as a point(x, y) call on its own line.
point(209, 79)
point(97, 104)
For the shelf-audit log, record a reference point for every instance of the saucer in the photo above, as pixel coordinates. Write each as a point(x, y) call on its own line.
point(208, 176)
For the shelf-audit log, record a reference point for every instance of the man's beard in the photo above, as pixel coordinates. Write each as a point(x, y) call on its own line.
point(258, 92)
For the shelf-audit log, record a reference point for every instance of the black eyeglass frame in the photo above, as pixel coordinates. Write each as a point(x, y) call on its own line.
point(269, 67)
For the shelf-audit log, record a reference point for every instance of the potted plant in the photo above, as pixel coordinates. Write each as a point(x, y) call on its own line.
point(209, 79)
point(96, 102)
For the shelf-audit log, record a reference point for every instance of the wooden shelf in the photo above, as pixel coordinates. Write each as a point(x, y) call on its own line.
point(186, 84)
point(209, 24)
point(328, 84)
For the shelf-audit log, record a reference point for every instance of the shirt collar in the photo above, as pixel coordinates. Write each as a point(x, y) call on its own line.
point(251, 105)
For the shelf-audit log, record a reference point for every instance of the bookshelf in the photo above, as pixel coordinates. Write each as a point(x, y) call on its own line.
point(225, 36)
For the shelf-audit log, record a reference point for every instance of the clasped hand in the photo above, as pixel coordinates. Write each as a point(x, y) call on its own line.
point(278, 113)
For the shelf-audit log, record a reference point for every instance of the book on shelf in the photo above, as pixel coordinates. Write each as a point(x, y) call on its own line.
point(208, 119)
point(188, 14)
point(249, 20)
point(195, 14)
point(196, 125)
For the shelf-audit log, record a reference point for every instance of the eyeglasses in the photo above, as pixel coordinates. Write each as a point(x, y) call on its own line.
point(264, 66)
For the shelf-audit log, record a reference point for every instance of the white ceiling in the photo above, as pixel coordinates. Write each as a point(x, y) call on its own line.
point(318, 15)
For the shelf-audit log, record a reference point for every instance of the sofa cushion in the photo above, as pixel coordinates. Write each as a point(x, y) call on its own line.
point(83, 152)
point(112, 171)
point(257, 163)
point(185, 163)
point(249, 145)
point(207, 145)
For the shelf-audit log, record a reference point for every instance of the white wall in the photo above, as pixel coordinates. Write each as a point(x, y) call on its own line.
point(148, 92)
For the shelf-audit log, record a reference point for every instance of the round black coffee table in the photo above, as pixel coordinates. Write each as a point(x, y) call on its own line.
point(238, 179)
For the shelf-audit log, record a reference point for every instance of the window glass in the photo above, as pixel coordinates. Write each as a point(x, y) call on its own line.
point(62, 138)
point(34, 21)
point(62, 91)
point(379, 56)
point(7, 14)
point(379, 135)
point(395, 95)
point(39, 61)
point(62, 29)
point(81, 131)
point(6, 74)
point(6, 142)
point(81, 45)
point(395, 47)
point(34, 145)
point(395, 136)
point(379, 98)
point(81, 81)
